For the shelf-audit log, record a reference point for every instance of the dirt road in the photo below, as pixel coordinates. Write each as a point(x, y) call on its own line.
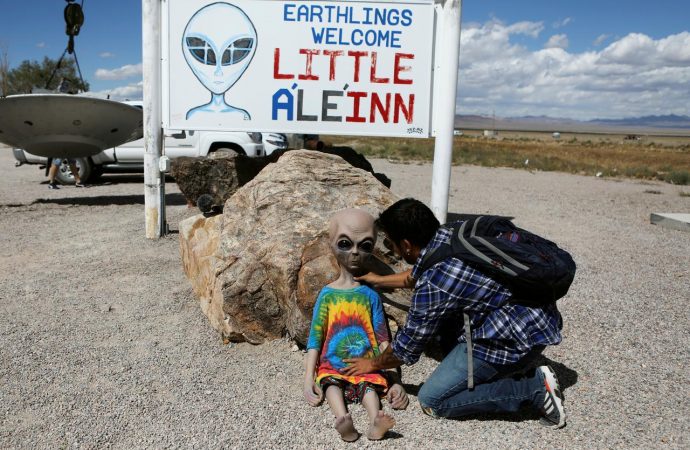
point(103, 344)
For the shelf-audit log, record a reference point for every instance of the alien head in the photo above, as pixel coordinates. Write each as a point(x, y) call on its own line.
point(352, 237)
point(218, 45)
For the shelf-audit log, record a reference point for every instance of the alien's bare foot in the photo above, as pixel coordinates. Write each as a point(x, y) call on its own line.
point(382, 423)
point(346, 428)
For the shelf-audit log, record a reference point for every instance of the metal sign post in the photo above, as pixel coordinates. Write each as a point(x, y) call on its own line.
point(447, 82)
point(154, 200)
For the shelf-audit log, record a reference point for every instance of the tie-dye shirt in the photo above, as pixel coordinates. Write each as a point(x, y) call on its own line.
point(347, 323)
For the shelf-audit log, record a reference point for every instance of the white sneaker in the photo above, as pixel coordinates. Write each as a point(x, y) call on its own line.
point(553, 411)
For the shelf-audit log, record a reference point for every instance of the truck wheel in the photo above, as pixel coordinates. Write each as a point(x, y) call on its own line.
point(64, 174)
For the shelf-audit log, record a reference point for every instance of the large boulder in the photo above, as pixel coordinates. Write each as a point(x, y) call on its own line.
point(350, 155)
point(220, 176)
point(259, 266)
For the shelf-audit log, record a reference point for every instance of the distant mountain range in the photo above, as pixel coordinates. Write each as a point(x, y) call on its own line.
point(669, 121)
point(662, 124)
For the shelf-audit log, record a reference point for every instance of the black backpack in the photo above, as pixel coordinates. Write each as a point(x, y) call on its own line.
point(535, 270)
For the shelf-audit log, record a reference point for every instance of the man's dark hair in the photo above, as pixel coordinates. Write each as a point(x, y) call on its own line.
point(409, 219)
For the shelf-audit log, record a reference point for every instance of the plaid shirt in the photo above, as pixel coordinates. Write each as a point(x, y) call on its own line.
point(502, 332)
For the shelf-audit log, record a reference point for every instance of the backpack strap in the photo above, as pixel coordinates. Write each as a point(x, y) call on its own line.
point(459, 244)
point(470, 360)
point(472, 249)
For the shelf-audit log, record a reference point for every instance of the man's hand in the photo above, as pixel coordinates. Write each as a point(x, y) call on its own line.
point(371, 278)
point(397, 397)
point(358, 366)
point(312, 393)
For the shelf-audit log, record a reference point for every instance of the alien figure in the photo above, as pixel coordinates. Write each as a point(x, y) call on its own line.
point(218, 43)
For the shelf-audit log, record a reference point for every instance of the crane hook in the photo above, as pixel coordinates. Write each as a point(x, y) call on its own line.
point(74, 19)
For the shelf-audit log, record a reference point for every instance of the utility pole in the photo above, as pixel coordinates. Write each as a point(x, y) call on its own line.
point(447, 86)
point(154, 190)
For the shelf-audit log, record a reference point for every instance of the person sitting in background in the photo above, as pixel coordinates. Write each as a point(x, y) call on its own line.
point(55, 166)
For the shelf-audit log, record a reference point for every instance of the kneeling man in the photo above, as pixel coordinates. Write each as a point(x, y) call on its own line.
point(505, 337)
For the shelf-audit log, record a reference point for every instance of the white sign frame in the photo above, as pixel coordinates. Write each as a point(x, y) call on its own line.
point(403, 85)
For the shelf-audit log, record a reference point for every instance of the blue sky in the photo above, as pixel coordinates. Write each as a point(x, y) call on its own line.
point(583, 21)
point(581, 59)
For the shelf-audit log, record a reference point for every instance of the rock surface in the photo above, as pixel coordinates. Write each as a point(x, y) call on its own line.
point(221, 176)
point(258, 268)
point(218, 177)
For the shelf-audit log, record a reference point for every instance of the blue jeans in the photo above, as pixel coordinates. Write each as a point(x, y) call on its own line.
point(498, 388)
point(58, 161)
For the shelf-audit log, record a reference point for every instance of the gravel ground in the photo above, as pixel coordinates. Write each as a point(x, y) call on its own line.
point(103, 344)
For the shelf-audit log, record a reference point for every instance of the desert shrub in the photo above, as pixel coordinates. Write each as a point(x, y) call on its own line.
point(639, 172)
point(648, 161)
point(680, 177)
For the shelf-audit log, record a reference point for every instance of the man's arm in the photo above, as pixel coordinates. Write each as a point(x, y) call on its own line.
point(392, 281)
point(427, 306)
point(359, 366)
point(396, 395)
point(391, 372)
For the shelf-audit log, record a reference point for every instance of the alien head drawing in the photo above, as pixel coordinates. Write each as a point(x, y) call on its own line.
point(218, 43)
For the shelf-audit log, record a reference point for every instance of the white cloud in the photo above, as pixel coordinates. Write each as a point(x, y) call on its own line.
point(675, 49)
point(638, 49)
point(41, 45)
point(121, 73)
point(478, 41)
point(106, 55)
point(132, 91)
point(528, 28)
point(635, 75)
point(600, 39)
point(557, 41)
point(633, 49)
point(562, 23)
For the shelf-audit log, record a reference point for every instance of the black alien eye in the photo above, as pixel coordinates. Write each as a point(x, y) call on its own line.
point(201, 51)
point(195, 42)
point(344, 244)
point(227, 57)
point(210, 57)
point(237, 51)
point(366, 247)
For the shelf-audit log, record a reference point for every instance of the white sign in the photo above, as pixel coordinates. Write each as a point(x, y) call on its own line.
point(322, 67)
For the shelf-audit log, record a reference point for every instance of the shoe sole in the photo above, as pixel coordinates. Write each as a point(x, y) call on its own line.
point(554, 391)
point(429, 412)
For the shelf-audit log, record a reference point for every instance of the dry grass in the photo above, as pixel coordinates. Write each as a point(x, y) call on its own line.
point(660, 158)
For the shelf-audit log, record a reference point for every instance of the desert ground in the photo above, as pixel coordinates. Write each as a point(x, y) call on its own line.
point(610, 136)
point(103, 344)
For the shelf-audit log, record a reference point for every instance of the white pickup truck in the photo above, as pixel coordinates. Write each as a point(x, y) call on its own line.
point(129, 157)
